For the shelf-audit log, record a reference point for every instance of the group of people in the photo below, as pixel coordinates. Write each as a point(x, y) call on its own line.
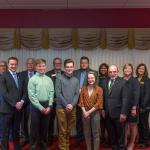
point(104, 107)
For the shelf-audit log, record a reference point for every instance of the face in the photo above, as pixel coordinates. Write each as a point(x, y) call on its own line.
point(57, 64)
point(127, 71)
point(3, 67)
point(69, 68)
point(30, 65)
point(141, 70)
point(84, 64)
point(91, 79)
point(113, 72)
point(41, 68)
point(12, 65)
point(103, 70)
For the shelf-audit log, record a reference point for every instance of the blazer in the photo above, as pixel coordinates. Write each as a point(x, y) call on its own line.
point(52, 75)
point(144, 101)
point(77, 74)
point(116, 101)
point(10, 92)
point(25, 78)
point(133, 87)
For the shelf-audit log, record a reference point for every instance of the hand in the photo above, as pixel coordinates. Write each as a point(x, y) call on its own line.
point(19, 105)
point(122, 117)
point(133, 112)
point(103, 113)
point(86, 114)
point(48, 109)
point(69, 107)
point(43, 111)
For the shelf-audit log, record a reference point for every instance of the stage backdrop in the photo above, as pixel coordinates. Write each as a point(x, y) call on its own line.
point(96, 56)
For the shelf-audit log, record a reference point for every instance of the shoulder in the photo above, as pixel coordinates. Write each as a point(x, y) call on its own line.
point(50, 72)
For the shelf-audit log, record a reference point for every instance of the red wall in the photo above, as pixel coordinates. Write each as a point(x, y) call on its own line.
point(76, 18)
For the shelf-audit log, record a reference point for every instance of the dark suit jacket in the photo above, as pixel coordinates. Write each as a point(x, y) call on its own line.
point(133, 87)
point(25, 78)
point(77, 74)
point(116, 102)
point(144, 93)
point(10, 92)
point(52, 75)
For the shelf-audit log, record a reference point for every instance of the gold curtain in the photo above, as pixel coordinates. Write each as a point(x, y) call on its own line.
point(83, 38)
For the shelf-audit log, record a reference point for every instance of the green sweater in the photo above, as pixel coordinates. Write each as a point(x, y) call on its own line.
point(40, 89)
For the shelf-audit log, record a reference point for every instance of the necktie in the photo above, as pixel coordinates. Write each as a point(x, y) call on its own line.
point(58, 74)
point(30, 74)
point(15, 79)
point(110, 85)
point(82, 77)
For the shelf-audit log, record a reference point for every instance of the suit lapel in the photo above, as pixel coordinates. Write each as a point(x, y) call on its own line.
point(114, 85)
point(11, 77)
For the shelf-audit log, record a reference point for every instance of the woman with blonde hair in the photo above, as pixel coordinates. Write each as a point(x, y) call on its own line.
point(133, 95)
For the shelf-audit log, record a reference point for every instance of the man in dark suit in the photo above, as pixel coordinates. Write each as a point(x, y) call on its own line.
point(25, 76)
point(12, 91)
point(53, 74)
point(81, 74)
point(116, 107)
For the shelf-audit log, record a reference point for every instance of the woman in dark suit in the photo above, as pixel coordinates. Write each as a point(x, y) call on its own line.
point(144, 105)
point(133, 95)
point(103, 74)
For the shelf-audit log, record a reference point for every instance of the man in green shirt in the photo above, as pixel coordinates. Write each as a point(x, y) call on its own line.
point(41, 92)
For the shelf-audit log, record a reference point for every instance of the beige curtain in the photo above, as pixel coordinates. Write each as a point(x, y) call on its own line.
point(6, 39)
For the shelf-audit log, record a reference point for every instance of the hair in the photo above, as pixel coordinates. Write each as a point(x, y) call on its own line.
point(68, 61)
point(4, 62)
point(101, 65)
point(30, 59)
point(40, 61)
point(128, 65)
point(93, 73)
point(13, 58)
point(84, 57)
point(57, 58)
point(146, 71)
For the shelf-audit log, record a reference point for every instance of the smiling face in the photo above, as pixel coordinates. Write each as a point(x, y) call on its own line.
point(69, 68)
point(113, 72)
point(57, 64)
point(12, 65)
point(84, 64)
point(3, 67)
point(141, 70)
point(91, 79)
point(128, 71)
point(41, 68)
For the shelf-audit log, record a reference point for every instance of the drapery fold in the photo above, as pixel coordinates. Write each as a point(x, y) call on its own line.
point(84, 38)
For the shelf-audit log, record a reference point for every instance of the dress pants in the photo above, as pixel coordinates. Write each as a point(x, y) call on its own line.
point(11, 121)
point(25, 123)
point(38, 129)
point(143, 126)
point(92, 131)
point(116, 132)
point(66, 121)
point(79, 124)
point(51, 124)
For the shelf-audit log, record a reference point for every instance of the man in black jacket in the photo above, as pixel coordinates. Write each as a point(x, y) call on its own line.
point(25, 76)
point(12, 91)
point(53, 74)
point(116, 107)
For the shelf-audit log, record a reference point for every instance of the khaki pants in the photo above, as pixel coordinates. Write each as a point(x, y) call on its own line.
point(66, 120)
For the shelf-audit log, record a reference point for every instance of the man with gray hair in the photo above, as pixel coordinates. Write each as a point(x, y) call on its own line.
point(26, 75)
point(115, 107)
